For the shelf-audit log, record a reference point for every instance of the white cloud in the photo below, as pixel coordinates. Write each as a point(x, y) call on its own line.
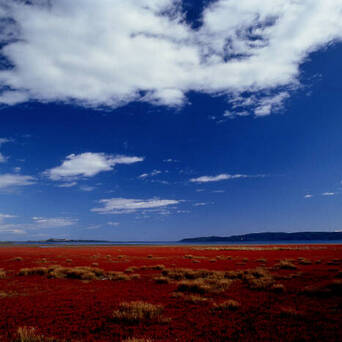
point(5, 216)
point(113, 224)
point(4, 141)
point(151, 174)
point(100, 53)
point(170, 160)
point(3, 159)
point(56, 222)
point(308, 196)
point(200, 204)
point(67, 185)
point(232, 115)
point(87, 164)
point(87, 188)
point(127, 206)
point(328, 194)
point(37, 223)
point(11, 180)
point(223, 176)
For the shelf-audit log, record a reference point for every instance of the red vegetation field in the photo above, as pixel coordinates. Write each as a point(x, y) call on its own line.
point(221, 293)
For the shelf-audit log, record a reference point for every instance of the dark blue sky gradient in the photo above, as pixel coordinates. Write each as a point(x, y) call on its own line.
point(299, 152)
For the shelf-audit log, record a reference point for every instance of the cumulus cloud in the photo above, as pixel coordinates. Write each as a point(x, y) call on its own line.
point(221, 177)
point(11, 180)
point(128, 206)
point(100, 53)
point(87, 165)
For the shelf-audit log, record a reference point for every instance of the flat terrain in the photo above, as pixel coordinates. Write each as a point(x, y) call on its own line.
point(194, 293)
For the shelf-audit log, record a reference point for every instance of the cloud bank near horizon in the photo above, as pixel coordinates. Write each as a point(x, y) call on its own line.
point(95, 54)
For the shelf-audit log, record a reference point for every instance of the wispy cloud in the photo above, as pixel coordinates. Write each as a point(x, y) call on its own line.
point(87, 188)
point(87, 164)
point(36, 224)
point(308, 196)
point(67, 185)
point(54, 222)
point(13, 180)
point(128, 206)
point(151, 174)
point(221, 177)
point(5, 140)
point(328, 193)
point(3, 159)
point(113, 224)
point(242, 47)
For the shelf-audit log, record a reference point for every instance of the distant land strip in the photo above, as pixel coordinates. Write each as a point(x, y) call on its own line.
point(298, 236)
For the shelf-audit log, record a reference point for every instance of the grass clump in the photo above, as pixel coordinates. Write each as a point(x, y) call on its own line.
point(258, 279)
point(161, 280)
point(228, 305)
point(139, 311)
point(194, 286)
point(29, 334)
point(278, 288)
point(2, 274)
point(286, 265)
point(112, 275)
point(33, 271)
point(18, 258)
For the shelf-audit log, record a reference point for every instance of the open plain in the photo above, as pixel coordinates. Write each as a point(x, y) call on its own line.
point(171, 293)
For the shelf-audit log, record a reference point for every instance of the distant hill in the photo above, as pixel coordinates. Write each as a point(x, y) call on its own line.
point(300, 236)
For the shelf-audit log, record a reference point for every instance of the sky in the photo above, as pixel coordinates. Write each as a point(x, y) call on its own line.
point(160, 120)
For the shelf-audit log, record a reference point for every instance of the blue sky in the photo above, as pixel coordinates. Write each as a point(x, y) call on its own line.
point(158, 120)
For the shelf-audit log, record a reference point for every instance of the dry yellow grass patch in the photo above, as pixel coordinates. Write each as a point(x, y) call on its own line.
point(80, 272)
point(112, 275)
point(286, 265)
point(56, 271)
point(18, 258)
point(131, 269)
point(186, 273)
point(228, 305)
point(33, 271)
point(135, 276)
point(195, 286)
point(135, 312)
point(278, 288)
point(304, 261)
point(161, 280)
point(195, 299)
point(262, 260)
point(258, 279)
point(2, 274)
point(333, 288)
point(29, 334)
point(207, 285)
